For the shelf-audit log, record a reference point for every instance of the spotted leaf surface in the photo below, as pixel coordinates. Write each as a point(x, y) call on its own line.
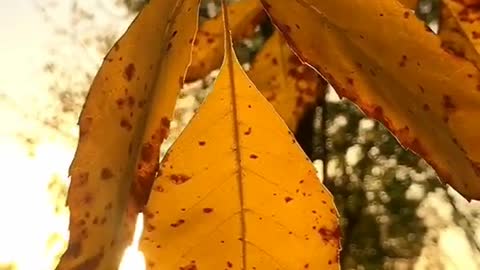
point(237, 192)
point(124, 120)
point(459, 28)
point(290, 86)
point(396, 71)
point(207, 55)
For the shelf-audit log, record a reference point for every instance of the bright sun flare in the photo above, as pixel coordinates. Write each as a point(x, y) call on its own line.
point(32, 234)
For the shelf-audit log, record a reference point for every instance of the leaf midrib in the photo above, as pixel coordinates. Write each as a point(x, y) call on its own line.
point(236, 137)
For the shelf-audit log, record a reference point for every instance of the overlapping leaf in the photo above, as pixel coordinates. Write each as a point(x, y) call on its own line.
point(236, 191)
point(290, 86)
point(384, 60)
point(125, 119)
point(208, 45)
point(459, 28)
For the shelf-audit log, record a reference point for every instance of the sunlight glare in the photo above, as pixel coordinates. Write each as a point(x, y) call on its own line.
point(133, 258)
point(28, 214)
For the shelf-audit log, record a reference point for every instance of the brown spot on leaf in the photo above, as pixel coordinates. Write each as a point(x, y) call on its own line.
point(85, 125)
point(131, 101)
point(120, 102)
point(141, 103)
point(190, 266)
point(129, 71)
point(330, 235)
point(350, 81)
point(475, 35)
point(124, 123)
point(448, 103)
point(158, 188)
point(165, 122)
point(207, 210)
point(377, 113)
point(149, 227)
point(403, 62)
point(88, 198)
point(178, 223)
point(106, 174)
point(201, 143)
point(147, 153)
point(80, 179)
point(421, 89)
point(288, 199)
point(179, 179)
point(253, 156)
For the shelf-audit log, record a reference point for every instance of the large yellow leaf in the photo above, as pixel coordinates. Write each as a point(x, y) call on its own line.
point(237, 192)
point(379, 55)
point(208, 46)
point(125, 119)
point(459, 28)
point(289, 85)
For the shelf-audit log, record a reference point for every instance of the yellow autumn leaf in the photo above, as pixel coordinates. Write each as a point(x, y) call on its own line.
point(385, 61)
point(207, 53)
point(290, 86)
point(125, 119)
point(237, 192)
point(459, 29)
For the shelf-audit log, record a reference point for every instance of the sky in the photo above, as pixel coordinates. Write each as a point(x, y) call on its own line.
point(23, 47)
point(24, 178)
point(26, 207)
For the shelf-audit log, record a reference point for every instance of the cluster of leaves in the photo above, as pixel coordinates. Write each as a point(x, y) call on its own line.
point(379, 205)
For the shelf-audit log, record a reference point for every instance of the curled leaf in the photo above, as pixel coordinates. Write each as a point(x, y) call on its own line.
point(123, 122)
point(387, 62)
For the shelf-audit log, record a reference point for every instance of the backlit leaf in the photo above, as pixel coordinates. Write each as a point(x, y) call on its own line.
point(237, 192)
point(396, 71)
point(289, 85)
point(208, 45)
point(459, 29)
point(124, 121)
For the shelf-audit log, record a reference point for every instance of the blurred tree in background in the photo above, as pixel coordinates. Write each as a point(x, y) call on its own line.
point(392, 206)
